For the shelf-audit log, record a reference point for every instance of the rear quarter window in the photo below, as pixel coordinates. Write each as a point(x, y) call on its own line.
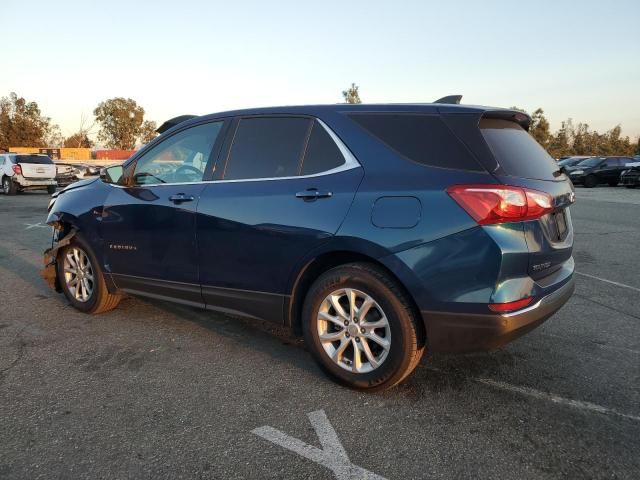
point(516, 151)
point(424, 139)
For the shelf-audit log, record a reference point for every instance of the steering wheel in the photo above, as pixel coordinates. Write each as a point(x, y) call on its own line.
point(186, 170)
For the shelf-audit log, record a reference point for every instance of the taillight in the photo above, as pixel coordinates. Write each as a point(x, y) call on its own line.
point(17, 169)
point(510, 306)
point(490, 204)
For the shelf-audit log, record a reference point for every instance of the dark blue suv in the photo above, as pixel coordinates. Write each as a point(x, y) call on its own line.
point(379, 231)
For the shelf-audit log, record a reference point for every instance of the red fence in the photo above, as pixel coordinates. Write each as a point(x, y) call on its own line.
point(113, 154)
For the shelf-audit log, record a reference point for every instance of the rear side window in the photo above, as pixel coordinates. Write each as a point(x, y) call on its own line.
point(516, 151)
point(422, 138)
point(39, 159)
point(267, 148)
point(322, 152)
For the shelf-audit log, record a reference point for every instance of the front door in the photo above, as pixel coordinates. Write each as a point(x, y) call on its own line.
point(286, 188)
point(149, 225)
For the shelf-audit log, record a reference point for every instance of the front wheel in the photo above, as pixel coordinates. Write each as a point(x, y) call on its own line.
point(51, 189)
point(361, 328)
point(82, 280)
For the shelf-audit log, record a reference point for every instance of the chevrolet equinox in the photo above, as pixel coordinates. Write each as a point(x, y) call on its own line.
point(378, 231)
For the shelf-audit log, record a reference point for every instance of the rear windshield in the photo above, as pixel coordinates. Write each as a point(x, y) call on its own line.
point(40, 159)
point(424, 139)
point(516, 151)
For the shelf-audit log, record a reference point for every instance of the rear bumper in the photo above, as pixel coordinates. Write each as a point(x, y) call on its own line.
point(456, 332)
point(34, 182)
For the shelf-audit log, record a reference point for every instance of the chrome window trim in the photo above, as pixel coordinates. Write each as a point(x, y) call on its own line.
point(350, 162)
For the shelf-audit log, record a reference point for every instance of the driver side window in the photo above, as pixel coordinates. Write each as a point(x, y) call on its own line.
point(181, 158)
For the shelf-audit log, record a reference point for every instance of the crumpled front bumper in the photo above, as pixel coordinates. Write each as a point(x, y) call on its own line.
point(48, 273)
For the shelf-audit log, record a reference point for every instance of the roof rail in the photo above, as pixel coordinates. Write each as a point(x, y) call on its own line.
point(453, 99)
point(172, 122)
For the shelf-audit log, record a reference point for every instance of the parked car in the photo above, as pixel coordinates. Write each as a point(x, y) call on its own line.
point(566, 162)
point(379, 231)
point(65, 174)
point(85, 170)
point(630, 178)
point(72, 172)
point(20, 172)
point(598, 170)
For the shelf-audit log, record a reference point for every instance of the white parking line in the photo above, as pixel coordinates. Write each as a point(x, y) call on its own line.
point(531, 392)
point(332, 456)
point(618, 284)
point(29, 226)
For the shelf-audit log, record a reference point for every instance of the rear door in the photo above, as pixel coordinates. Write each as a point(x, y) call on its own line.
point(285, 188)
point(39, 167)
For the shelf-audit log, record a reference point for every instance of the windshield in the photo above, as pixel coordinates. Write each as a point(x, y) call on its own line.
point(569, 161)
point(590, 162)
point(39, 159)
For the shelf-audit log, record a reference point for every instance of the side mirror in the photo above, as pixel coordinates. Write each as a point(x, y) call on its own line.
point(111, 174)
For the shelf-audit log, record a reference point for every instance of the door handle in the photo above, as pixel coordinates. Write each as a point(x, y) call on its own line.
point(312, 194)
point(181, 197)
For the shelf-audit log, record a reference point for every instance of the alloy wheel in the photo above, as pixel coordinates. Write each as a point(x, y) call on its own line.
point(78, 274)
point(353, 330)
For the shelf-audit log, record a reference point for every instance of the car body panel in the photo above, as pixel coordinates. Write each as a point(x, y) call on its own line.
point(242, 247)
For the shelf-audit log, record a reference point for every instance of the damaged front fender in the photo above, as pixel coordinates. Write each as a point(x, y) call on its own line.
point(48, 273)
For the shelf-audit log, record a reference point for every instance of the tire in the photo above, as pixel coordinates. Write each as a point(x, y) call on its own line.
point(51, 189)
point(613, 184)
point(630, 186)
point(99, 299)
point(9, 187)
point(388, 302)
point(591, 181)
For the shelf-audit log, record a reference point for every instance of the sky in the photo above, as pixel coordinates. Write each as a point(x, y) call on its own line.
point(575, 59)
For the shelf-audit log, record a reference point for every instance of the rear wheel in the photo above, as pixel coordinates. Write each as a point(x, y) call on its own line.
point(51, 189)
point(9, 187)
point(613, 183)
point(591, 181)
point(630, 186)
point(82, 280)
point(361, 328)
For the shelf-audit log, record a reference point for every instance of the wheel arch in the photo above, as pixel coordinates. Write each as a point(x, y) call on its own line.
point(324, 262)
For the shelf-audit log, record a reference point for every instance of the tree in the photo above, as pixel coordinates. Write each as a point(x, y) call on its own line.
point(23, 125)
point(120, 122)
point(78, 140)
point(539, 128)
point(351, 95)
point(560, 142)
point(148, 131)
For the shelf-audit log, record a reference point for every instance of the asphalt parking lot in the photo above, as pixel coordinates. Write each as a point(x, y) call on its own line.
point(154, 390)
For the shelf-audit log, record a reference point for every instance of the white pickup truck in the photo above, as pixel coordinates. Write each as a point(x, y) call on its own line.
point(27, 172)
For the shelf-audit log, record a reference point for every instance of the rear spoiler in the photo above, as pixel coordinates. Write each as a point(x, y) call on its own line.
point(521, 118)
point(173, 122)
